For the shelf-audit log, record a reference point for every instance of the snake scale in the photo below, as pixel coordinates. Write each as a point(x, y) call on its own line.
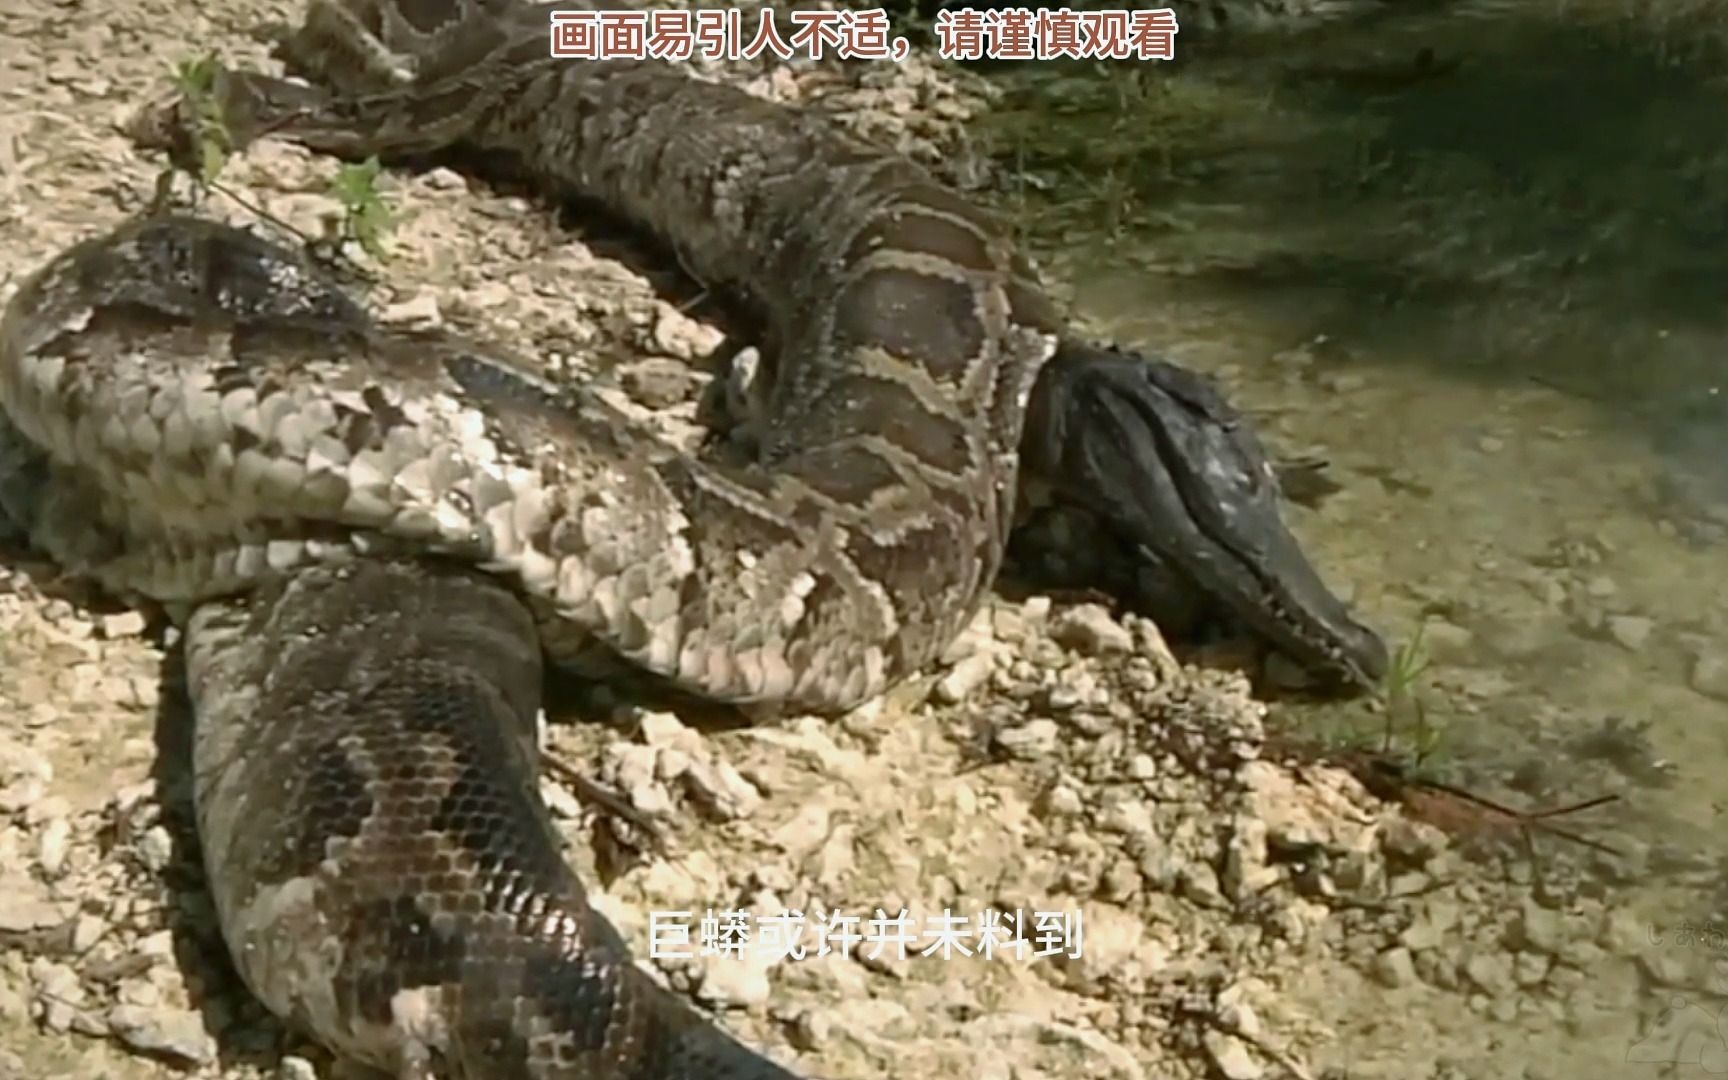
point(372, 533)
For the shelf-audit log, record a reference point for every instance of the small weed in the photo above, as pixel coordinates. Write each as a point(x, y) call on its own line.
point(212, 144)
point(1403, 700)
point(200, 142)
point(366, 217)
point(1405, 716)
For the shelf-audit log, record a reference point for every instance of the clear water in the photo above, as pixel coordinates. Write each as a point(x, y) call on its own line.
point(1488, 285)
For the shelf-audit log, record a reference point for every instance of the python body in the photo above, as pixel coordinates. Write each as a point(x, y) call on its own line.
point(376, 532)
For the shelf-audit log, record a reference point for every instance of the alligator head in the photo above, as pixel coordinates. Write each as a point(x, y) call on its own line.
point(1157, 455)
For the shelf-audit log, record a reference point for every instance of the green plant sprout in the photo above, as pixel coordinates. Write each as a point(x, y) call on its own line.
point(212, 144)
point(1403, 699)
point(204, 147)
point(366, 217)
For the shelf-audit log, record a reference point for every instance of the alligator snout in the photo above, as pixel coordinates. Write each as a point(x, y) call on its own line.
point(1179, 475)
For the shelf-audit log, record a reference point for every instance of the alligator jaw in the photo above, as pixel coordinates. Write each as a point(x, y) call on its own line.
point(1175, 471)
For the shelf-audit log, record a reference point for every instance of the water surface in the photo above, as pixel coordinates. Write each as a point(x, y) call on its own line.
point(1477, 260)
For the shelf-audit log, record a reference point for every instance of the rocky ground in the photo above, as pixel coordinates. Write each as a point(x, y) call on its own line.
point(1241, 917)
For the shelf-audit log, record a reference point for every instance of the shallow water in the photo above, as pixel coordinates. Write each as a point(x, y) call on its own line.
point(1478, 263)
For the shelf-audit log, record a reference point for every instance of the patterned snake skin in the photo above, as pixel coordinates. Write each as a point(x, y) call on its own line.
point(376, 532)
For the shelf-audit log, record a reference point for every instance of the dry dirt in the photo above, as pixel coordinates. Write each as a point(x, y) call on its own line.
point(1240, 918)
